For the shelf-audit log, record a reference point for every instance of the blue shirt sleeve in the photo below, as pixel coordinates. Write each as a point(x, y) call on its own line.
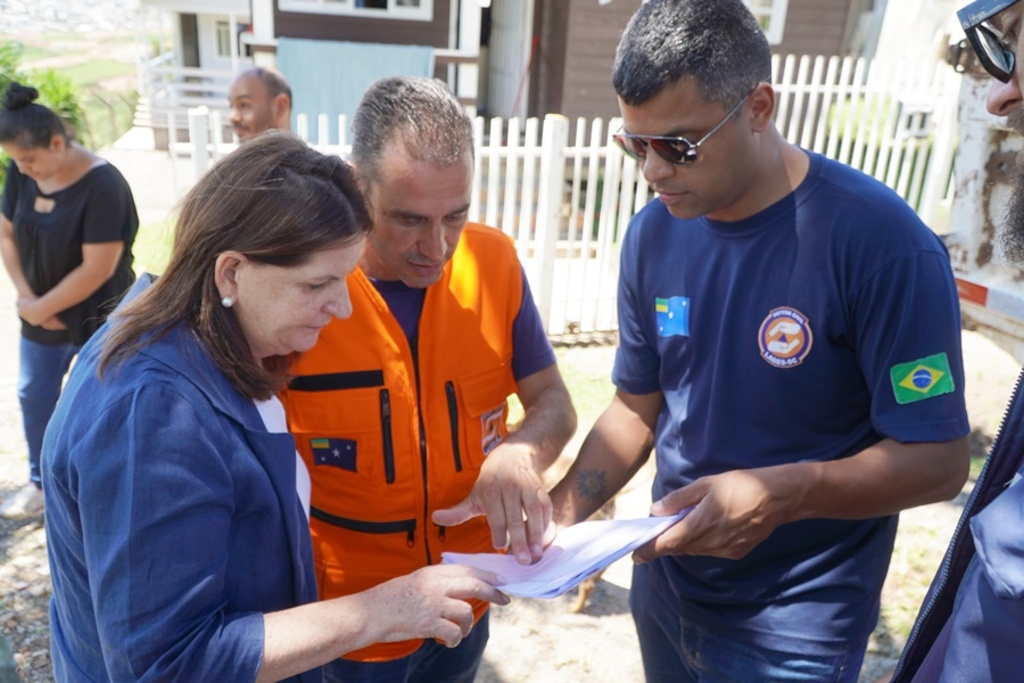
point(907, 318)
point(531, 348)
point(637, 363)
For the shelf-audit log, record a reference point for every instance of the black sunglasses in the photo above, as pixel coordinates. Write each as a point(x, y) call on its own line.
point(677, 151)
point(996, 56)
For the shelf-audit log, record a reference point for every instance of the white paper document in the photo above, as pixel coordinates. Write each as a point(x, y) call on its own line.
point(576, 553)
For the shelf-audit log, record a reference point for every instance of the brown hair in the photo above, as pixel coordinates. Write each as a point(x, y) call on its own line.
point(275, 200)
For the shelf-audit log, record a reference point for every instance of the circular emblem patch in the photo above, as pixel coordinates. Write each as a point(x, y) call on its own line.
point(785, 337)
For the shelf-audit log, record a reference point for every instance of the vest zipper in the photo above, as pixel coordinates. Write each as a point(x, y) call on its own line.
point(453, 420)
point(414, 348)
point(403, 525)
point(389, 447)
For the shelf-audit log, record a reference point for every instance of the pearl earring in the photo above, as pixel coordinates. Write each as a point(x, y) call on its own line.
point(227, 302)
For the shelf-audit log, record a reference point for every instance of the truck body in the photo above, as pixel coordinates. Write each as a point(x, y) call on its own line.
point(990, 288)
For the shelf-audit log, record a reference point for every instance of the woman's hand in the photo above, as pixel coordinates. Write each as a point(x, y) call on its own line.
point(28, 310)
point(428, 603)
point(431, 603)
point(53, 323)
point(31, 312)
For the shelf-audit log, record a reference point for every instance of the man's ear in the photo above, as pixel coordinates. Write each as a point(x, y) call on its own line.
point(225, 273)
point(282, 107)
point(762, 106)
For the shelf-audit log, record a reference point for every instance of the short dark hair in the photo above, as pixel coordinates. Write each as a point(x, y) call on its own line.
point(272, 80)
point(421, 113)
point(25, 123)
point(275, 200)
point(717, 43)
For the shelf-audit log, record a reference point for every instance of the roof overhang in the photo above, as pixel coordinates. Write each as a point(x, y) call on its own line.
point(236, 7)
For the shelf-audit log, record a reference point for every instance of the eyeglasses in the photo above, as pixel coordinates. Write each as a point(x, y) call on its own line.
point(994, 54)
point(677, 151)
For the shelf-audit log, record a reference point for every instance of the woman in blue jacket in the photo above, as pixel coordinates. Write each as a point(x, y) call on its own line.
point(176, 505)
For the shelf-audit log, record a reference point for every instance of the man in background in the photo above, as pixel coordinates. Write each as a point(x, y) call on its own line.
point(260, 99)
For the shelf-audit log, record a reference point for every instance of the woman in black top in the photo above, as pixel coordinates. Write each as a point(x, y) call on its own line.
point(67, 224)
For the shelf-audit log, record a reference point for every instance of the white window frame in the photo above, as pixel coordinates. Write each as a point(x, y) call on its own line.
point(425, 12)
point(776, 16)
point(222, 37)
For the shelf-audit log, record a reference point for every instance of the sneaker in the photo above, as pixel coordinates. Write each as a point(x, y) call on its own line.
point(26, 502)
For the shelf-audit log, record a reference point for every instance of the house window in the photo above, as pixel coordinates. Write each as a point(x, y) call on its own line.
point(771, 14)
point(223, 31)
point(420, 10)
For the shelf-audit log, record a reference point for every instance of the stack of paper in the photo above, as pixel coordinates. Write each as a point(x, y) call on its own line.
point(577, 552)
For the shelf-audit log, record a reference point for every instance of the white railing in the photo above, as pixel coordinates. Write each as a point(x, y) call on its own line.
point(567, 202)
point(167, 92)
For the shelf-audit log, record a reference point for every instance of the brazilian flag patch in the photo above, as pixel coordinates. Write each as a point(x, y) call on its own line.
point(921, 379)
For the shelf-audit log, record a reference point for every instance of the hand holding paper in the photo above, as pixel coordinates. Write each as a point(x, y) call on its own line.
point(575, 554)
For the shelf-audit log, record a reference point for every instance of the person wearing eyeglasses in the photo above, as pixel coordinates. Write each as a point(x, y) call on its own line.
point(789, 348)
point(971, 625)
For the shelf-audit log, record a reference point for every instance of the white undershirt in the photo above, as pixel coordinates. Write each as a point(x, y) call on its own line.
point(272, 413)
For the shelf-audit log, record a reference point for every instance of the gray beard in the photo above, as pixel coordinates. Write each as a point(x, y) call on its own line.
point(1011, 237)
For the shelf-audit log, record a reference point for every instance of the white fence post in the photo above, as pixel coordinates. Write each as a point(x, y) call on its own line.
point(216, 135)
point(493, 172)
point(940, 165)
point(172, 144)
point(344, 150)
point(549, 209)
point(323, 132)
point(199, 137)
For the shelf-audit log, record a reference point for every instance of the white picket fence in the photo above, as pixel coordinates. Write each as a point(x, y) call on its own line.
point(567, 202)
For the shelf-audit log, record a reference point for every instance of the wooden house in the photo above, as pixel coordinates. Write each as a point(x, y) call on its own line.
point(501, 57)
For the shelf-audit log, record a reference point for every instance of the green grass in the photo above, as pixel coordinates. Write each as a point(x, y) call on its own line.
point(152, 248)
point(32, 52)
point(590, 385)
point(88, 73)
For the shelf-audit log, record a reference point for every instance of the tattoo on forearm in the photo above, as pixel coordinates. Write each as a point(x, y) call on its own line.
point(591, 485)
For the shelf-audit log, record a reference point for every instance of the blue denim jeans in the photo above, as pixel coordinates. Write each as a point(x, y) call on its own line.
point(677, 650)
point(432, 663)
point(39, 382)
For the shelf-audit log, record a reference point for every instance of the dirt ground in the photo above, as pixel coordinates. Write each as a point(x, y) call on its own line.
point(531, 640)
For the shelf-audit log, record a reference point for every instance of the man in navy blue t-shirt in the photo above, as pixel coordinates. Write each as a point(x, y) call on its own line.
point(790, 349)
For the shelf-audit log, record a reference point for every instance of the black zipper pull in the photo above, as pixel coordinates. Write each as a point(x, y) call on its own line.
point(453, 422)
point(389, 448)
